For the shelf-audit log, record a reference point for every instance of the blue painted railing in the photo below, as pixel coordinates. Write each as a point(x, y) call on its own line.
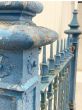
point(21, 88)
point(58, 74)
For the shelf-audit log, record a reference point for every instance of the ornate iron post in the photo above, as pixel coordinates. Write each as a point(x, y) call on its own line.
point(75, 32)
point(20, 40)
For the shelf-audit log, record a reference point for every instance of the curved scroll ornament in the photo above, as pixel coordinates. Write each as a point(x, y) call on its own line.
point(5, 67)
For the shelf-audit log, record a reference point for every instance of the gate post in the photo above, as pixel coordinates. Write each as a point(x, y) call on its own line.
point(75, 32)
point(20, 40)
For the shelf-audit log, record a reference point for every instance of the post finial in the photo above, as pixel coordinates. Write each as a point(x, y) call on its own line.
point(74, 23)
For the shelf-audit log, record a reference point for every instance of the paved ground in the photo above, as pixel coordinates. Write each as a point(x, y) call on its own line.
point(79, 91)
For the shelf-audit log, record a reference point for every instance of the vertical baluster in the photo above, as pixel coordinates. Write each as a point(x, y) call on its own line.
point(50, 96)
point(57, 65)
point(57, 56)
point(68, 73)
point(44, 67)
point(62, 73)
point(67, 86)
point(51, 59)
point(65, 89)
point(65, 51)
point(66, 79)
point(75, 32)
point(55, 87)
point(68, 45)
point(51, 69)
point(63, 86)
point(62, 52)
point(43, 101)
point(62, 90)
point(44, 54)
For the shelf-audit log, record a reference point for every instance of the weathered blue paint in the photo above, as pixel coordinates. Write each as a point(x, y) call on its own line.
point(57, 75)
point(75, 32)
point(61, 73)
point(20, 40)
point(21, 32)
point(44, 67)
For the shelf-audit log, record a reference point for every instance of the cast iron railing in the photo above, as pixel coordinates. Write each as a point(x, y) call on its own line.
point(58, 73)
point(20, 41)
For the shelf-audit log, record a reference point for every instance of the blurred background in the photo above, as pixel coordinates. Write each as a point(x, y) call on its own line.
point(57, 15)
